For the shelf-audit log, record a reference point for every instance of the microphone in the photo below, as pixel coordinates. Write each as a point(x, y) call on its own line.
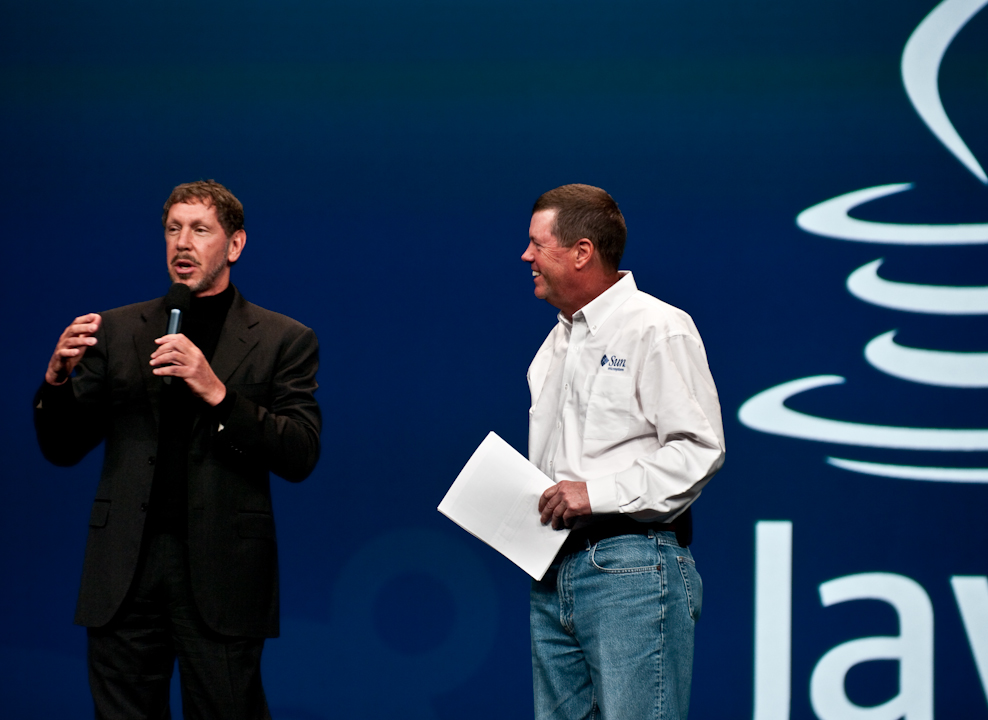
point(177, 301)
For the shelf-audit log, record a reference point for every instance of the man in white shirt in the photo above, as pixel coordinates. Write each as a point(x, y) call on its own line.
point(625, 419)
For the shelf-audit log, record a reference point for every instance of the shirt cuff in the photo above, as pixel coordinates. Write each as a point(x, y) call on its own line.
point(603, 495)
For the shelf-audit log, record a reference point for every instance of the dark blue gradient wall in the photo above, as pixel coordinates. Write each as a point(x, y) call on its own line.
point(388, 155)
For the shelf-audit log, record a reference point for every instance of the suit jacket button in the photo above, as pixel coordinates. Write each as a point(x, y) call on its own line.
point(151, 460)
point(144, 507)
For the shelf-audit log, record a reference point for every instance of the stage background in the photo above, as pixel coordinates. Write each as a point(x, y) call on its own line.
point(388, 154)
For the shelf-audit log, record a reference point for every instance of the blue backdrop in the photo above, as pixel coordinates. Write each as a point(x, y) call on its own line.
point(388, 155)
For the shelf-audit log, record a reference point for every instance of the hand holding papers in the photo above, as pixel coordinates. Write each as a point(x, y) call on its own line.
point(496, 498)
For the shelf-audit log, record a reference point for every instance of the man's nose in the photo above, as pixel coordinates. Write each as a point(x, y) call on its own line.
point(528, 256)
point(184, 241)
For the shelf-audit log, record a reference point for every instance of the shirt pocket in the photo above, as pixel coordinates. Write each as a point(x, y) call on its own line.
point(609, 407)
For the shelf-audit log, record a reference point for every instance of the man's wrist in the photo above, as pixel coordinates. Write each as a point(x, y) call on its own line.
point(53, 378)
point(217, 396)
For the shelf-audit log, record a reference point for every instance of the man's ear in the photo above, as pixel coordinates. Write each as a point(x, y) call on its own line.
point(236, 246)
point(585, 252)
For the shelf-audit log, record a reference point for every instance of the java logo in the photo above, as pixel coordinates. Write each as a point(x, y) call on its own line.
point(927, 366)
point(614, 363)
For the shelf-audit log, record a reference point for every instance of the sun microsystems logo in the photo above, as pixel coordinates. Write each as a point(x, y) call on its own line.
point(613, 363)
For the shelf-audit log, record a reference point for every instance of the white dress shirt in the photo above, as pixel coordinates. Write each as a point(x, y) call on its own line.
point(623, 400)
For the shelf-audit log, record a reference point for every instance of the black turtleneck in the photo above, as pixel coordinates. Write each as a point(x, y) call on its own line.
point(168, 506)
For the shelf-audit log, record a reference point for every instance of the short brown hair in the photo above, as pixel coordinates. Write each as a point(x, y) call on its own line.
point(229, 211)
point(585, 211)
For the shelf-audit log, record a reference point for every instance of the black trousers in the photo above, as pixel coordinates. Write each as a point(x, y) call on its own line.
point(131, 659)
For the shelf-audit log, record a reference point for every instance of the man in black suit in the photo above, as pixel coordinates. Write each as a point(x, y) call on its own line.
point(181, 559)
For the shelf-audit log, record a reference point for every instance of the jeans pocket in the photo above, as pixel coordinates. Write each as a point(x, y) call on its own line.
point(625, 554)
point(693, 584)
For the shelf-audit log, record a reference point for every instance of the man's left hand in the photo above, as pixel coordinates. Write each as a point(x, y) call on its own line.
point(563, 503)
point(177, 356)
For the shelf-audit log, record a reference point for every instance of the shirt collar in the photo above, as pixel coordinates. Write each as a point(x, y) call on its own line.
point(596, 312)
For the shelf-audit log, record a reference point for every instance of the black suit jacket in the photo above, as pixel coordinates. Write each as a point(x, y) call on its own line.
point(269, 361)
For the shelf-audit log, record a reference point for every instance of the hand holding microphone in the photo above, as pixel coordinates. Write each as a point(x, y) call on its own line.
point(177, 301)
point(177, 356)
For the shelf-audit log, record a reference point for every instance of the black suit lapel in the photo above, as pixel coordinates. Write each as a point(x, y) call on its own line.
point(236, 341)
point(237, 338)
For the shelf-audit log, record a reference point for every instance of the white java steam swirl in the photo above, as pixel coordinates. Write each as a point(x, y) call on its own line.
point(865, 284)
point(921, 67)
point(930, 367)
point(913, 472)
point(830, 219)
point(767, 412)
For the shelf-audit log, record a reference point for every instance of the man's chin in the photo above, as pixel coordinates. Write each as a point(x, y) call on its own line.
point(192, 284)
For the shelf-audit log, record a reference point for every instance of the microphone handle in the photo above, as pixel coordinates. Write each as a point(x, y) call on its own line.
point(174, 321)
point(174, 325)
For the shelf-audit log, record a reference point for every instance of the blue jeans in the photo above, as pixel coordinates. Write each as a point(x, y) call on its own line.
point(612, 631)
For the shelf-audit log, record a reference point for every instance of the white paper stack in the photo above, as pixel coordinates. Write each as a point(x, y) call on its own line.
point(496, 498)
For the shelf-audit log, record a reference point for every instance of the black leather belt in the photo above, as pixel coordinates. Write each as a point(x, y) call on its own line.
point(624, 525)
